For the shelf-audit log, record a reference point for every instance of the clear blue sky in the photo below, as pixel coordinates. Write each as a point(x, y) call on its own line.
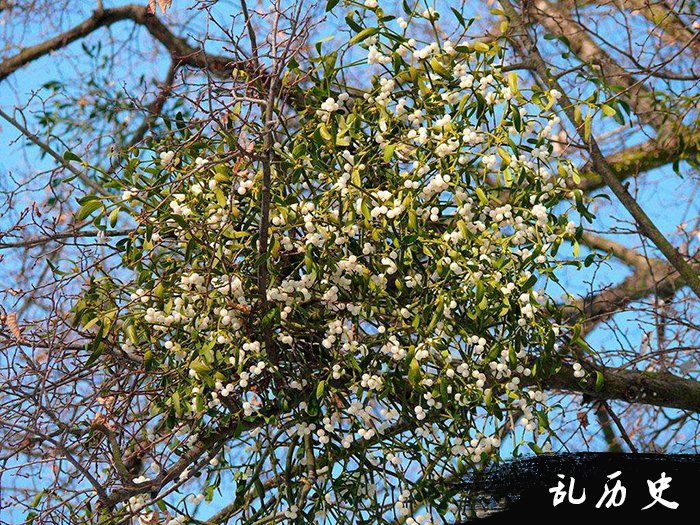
point(661, 195)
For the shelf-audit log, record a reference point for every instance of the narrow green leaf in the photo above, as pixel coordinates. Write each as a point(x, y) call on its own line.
point(599, 381)
point(87, 209)
point(70, 156)
point(363, 35)
point(609, 111)
point(414, 372)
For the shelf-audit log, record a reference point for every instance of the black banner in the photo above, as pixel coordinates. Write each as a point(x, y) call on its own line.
point(600, 486)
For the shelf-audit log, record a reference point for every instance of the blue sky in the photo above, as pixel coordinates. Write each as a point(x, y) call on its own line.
point(662, 194)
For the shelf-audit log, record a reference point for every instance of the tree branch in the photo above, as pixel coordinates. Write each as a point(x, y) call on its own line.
point(182, 53)
point(643, 157)
point(599, 162)
point(558, 21)
point(57, 236)
point(48, 149)
point(632, 386)
point(665, 18)
point(178, 47)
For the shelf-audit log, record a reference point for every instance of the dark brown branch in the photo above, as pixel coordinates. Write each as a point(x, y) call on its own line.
point(651, 388)
point(608, 432)
point(619, 426)
point(178, 47)
point(182, 53)
point(598, 160)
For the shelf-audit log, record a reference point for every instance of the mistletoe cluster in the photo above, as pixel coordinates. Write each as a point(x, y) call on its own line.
point(357, 297)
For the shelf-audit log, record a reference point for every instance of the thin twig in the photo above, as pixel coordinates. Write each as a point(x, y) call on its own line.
point(44, 146)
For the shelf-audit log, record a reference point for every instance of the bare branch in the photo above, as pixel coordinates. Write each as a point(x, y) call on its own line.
point(45, 147)
point(647, 227)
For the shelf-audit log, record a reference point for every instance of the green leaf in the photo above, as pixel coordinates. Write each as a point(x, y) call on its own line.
point(350, 21)
point(481, 195)
point(199, 366)
point(412, 219)
point(513, 83)
point(260, 489)
point(587, 127)
point(388, 152)
point(220, 197)
point(88, 208)
point(363, 35)
point(439, 68)
point(177, 405)
point(269, 317)
point(94, 356)
point(92, 322)
point(535, 448)
point(577, 115)
point(609, 111)
point(414, 372)
point(599, 381)
point(319, 389)
point(36, 500)
point(331, 4)
point(130, 330)
point(479, 292)
point(512, 357)
point(459, 17)
point(504, 155)
point(70, 156)
point(324, 132)
point(113, 217)
point(488, 395)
